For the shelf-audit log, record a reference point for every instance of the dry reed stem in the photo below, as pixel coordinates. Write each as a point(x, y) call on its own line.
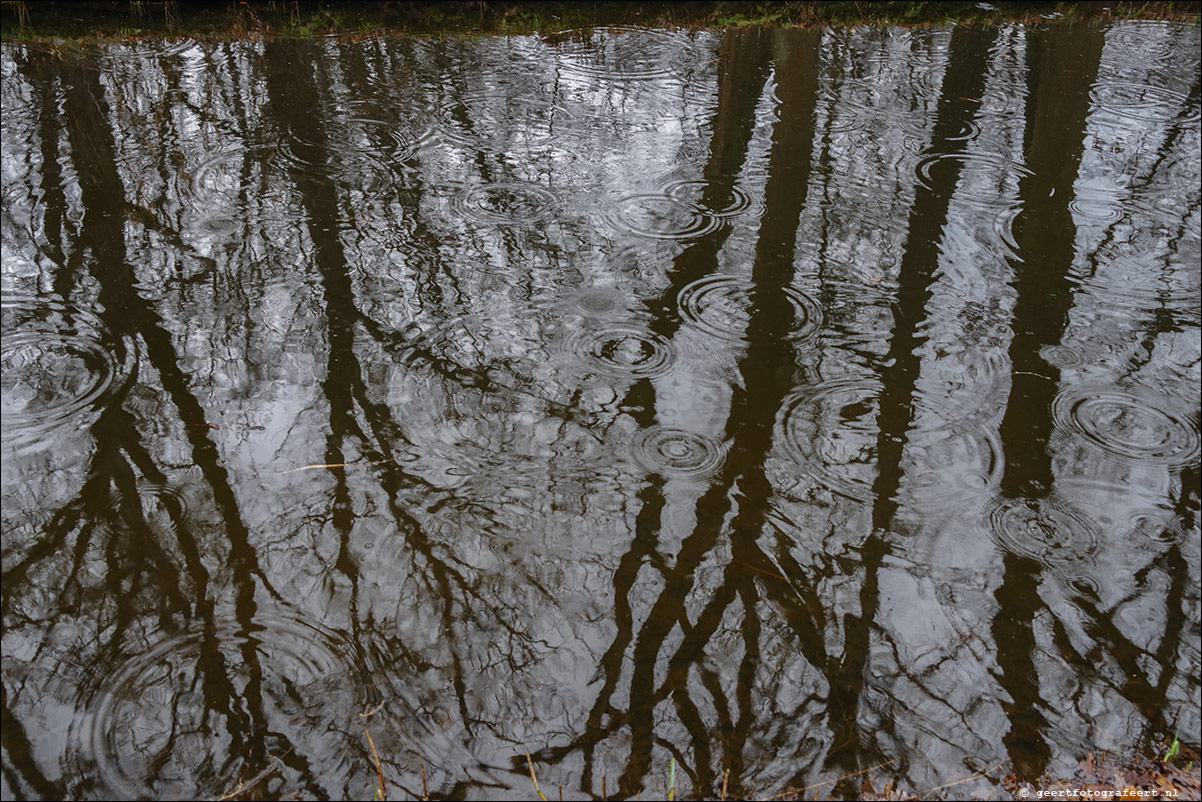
point(376, 755)
point(725, 778)
point(825, 782)
point(335, 465)
point(530, 763)
point(425, 792)
point(926, 794)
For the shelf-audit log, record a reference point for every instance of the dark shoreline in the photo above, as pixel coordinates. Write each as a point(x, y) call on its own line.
point(53, 19)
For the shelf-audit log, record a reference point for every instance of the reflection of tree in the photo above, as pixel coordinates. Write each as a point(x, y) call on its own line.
point(130, 315)
point(142, 577)
point(1146, 182)
point(732, 644)
point(1059, 77)
point(344, 387)
point(360, 425)
point(20, 769)
point(749, 429)
point(1148, 173)
point(742, 67)
point(964, 84)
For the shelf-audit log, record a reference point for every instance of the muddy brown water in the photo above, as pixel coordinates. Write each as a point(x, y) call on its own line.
point(793, 403)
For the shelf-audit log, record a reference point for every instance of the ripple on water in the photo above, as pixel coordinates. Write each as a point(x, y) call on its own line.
point(1157, 525)
point(221, 184)
point(1083, 585)
point(164, 508)
point(659, 215)
point(324, 163)
point(149, 728)
point(723, 305)
point(682, 210)
point(478, 117)
point(226, 172)
point(1048, 531)
point(944, 467)
point(353, 145)
point(985, 180)
point(1061, 356)
point(598, 302)
point(1144, 102)
point(138, 55)
point(204, 230)
point(1151, 42)
point(918, 129)
point(623, 349)
point(1095, 207)
point(60, 364)
point(511, 203)
point(693, 192)
point(1141, 428)
point(968, 131)
point(855, 105)
point(830, 430)
point(619, 53)
point(674, 452)
point(970, 387)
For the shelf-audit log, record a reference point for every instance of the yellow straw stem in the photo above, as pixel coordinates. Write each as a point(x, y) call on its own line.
point(379, 769)
point(530, 763)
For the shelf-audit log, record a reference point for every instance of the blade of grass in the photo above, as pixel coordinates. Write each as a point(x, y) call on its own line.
point(1175, 749)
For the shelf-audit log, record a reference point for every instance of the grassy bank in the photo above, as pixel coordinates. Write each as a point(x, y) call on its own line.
point(49, 19)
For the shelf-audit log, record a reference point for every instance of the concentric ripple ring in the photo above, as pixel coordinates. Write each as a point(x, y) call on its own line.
point(723, 306)
point(506, 203)
point(624, 349)
point(58, 362)
point(1044, 530)
point(663, 217)
point(1136, 428)
point(672, 451)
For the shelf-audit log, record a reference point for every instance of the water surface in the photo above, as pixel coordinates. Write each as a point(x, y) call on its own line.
point(784, 403)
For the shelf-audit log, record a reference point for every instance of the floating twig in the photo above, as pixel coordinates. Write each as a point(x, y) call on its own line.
point(373, 711)
point(243, 787)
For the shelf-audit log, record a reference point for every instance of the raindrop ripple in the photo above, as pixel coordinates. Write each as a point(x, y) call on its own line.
point(1139, 428)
